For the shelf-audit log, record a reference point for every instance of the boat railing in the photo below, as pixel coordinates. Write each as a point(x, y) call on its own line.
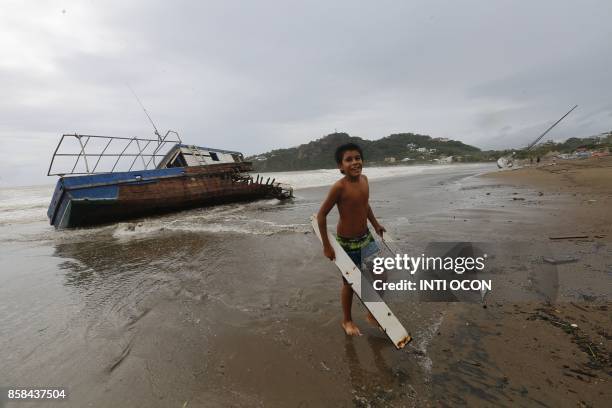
point(77, 154)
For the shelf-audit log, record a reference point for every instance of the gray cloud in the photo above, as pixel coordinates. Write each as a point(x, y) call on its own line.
point(254, 76)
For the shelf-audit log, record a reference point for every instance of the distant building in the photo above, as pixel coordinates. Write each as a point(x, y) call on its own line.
point(433, 150)
point(390, 159)
point(422, 150)
point(603, 138)
point(411, 146)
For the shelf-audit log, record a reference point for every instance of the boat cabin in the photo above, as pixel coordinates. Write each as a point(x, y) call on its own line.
point(182, 155)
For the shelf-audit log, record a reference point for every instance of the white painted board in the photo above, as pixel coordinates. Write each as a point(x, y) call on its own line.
point(379, 309)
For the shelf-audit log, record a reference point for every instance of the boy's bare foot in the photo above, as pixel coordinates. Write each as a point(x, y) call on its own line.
point(370, 318)
point(351, 328)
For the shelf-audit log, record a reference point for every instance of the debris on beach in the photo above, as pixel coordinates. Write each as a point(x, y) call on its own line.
point(569, 237)
point(559, 261)
point(598, 355)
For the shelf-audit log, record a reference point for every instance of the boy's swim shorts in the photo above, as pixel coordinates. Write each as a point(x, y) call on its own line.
point(358, 248)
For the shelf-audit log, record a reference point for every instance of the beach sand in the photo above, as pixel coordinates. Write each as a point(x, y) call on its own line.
point(236, 306)
point(528, 353)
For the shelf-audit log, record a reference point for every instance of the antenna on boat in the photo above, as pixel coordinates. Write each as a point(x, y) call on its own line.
point(146, 113)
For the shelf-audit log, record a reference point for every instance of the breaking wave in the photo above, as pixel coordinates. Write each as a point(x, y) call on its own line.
point(24, 204)
point(325, 177)
point(231, 219)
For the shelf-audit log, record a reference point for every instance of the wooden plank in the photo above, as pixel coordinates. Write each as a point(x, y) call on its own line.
point(569, 237)
point(560, 260)
point(382, 313)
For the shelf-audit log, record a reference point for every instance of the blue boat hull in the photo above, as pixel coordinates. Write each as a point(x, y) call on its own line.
point(103, 198)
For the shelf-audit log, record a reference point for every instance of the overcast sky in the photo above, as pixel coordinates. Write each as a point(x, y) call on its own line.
point(258, 75)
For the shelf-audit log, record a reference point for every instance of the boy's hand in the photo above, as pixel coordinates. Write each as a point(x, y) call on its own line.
point(329, 252)
point(380, 230)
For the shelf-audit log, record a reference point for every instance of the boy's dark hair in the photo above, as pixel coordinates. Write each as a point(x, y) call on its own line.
point(345, 148)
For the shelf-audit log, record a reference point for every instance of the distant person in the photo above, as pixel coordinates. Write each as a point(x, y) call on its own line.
point(538, 160)
point(350, 194)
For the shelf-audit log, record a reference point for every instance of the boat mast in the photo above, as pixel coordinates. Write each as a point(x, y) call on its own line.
point(535, 142)
point(159, 137)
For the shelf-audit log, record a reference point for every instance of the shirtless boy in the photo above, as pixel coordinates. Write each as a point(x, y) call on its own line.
point(350, 194)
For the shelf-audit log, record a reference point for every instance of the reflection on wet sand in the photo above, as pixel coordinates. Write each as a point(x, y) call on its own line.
point(380, 384)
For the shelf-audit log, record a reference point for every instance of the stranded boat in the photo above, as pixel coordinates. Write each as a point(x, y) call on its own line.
point(98, 183)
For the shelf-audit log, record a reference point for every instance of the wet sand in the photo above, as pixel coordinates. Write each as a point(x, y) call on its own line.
point(236, 306)
point(555, 353)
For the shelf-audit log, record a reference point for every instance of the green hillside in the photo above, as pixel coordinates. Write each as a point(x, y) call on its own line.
point(390, 150)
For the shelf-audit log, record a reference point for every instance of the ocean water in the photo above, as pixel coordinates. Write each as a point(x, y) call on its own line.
point(326, 177)
point(25, 205)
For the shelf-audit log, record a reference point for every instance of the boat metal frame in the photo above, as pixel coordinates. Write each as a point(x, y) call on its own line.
point(170, 139)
